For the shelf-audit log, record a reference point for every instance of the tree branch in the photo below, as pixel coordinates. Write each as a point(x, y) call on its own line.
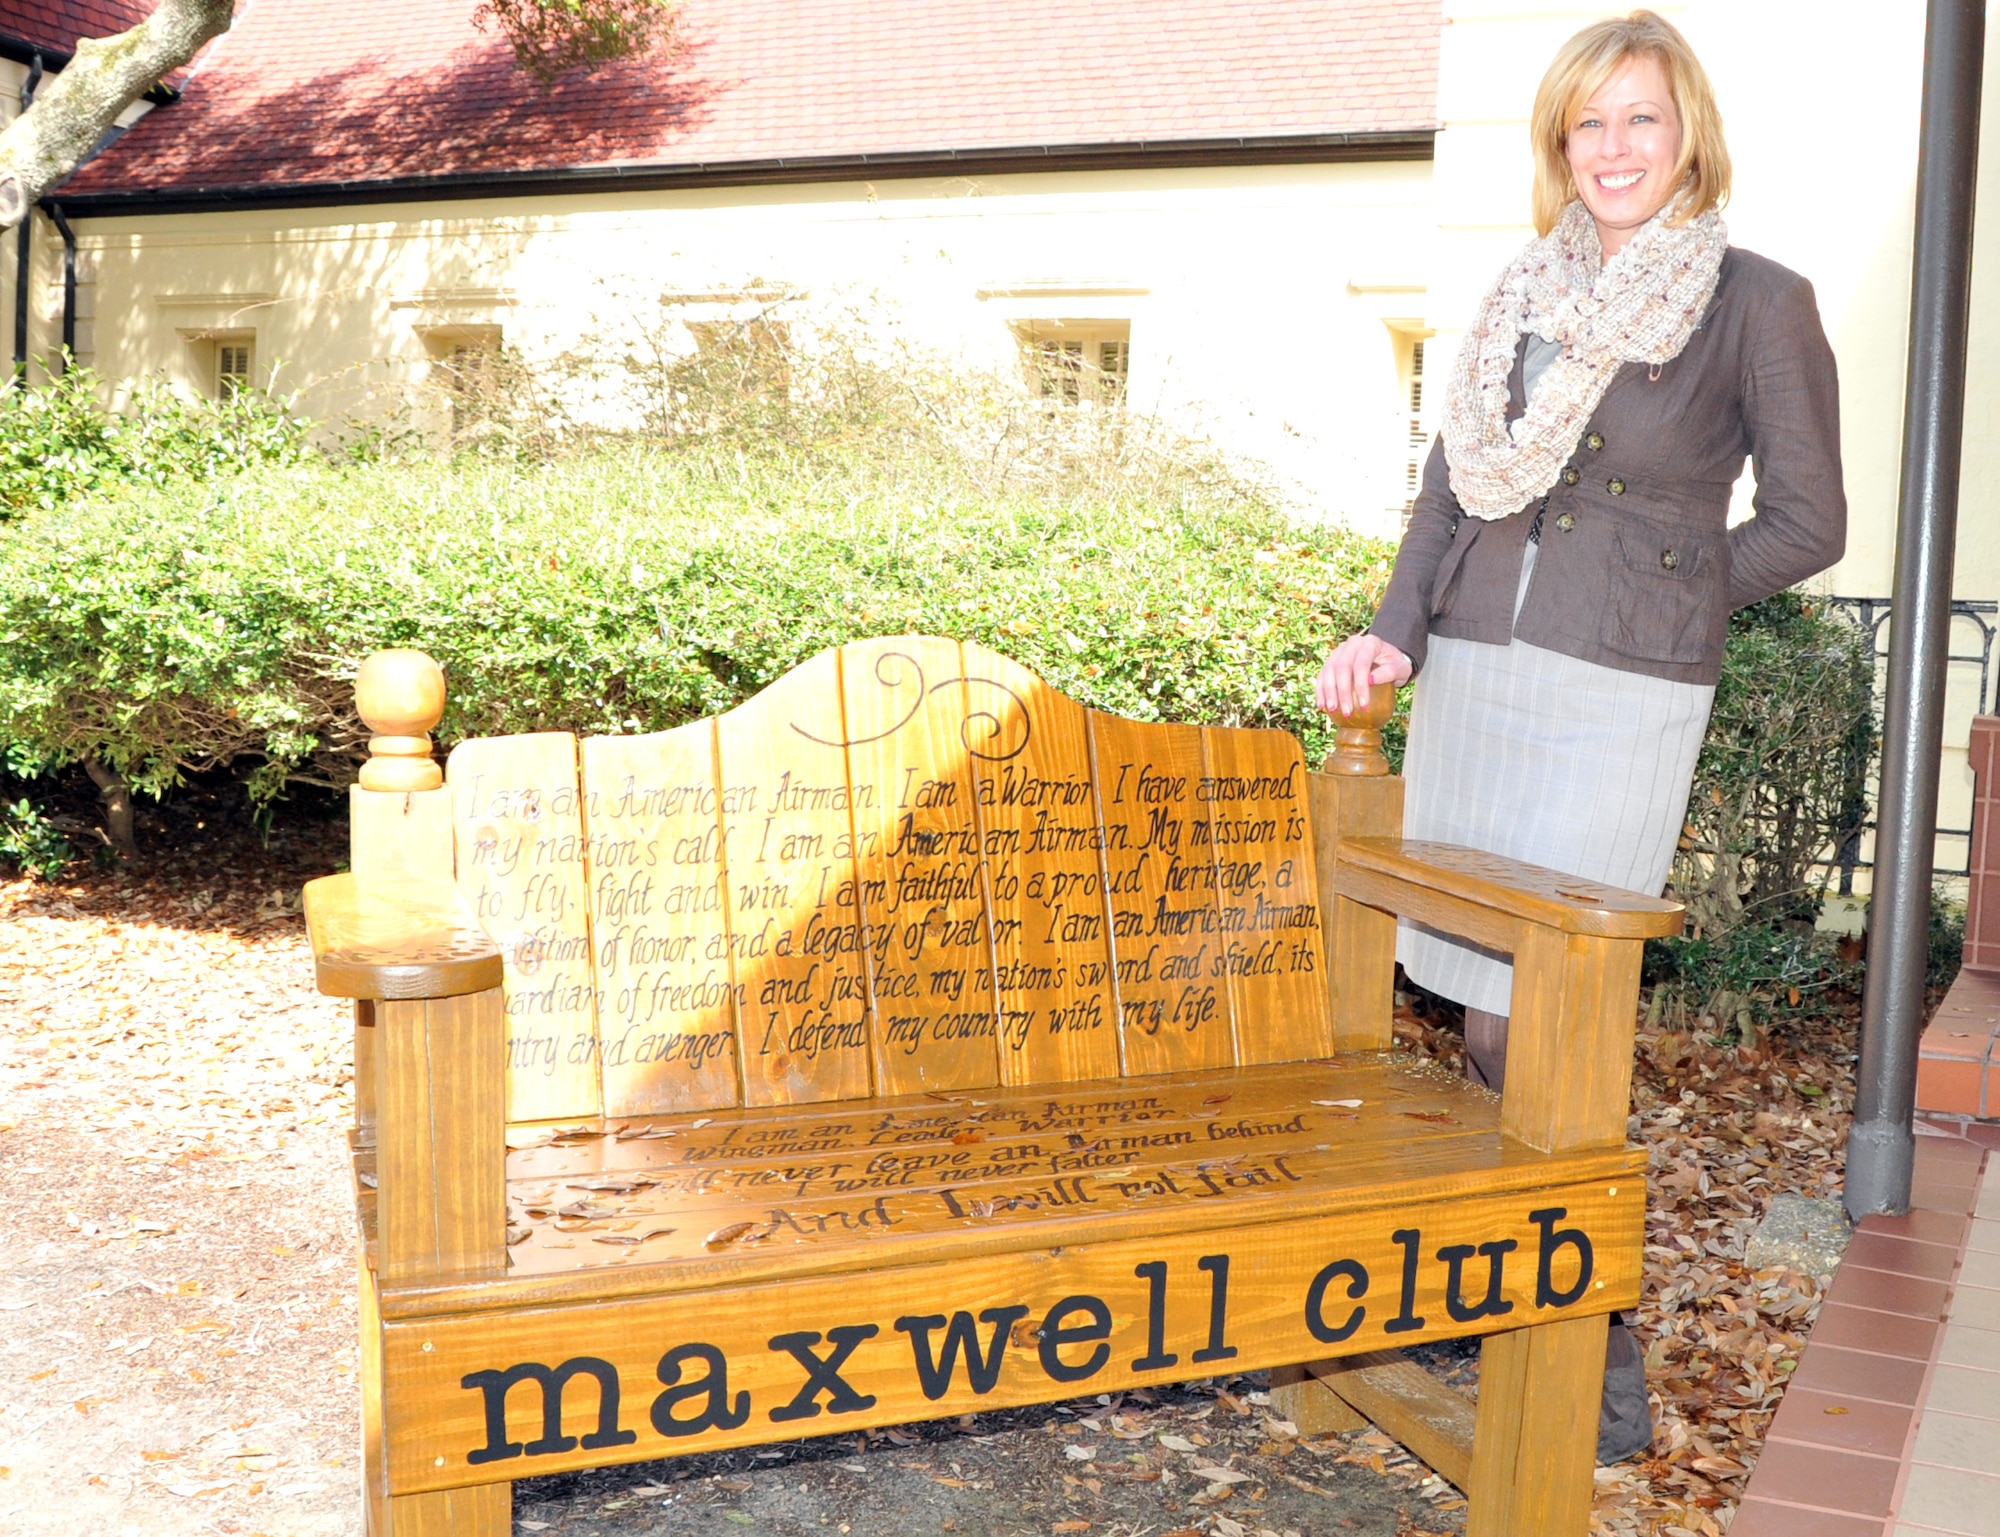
point(72, 111)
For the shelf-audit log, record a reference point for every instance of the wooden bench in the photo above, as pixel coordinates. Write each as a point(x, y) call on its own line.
point(911, 1041)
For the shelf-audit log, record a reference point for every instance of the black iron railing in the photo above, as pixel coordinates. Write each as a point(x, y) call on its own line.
point(1973, 628)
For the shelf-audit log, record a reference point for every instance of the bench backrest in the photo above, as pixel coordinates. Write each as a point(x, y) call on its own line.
point(907, 866)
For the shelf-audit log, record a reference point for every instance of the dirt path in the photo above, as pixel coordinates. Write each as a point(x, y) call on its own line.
point(178, 1347)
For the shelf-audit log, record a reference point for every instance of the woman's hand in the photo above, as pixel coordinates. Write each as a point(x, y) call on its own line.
point(1355, 666)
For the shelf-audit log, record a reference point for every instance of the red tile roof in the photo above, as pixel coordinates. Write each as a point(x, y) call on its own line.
point(307, 93)
point(55, 25)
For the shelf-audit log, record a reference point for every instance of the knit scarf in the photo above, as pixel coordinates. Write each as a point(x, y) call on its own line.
point(1639, 307)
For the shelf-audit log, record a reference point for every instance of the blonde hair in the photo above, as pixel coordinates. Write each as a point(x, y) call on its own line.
point(1583, 64)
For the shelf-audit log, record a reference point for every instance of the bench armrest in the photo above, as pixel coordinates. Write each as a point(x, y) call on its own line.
point(1408, 876)
point(1576, 948)
point(396, 944)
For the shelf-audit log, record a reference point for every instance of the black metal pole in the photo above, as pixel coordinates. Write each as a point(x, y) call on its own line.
point(1880, 1148)
point(68, 359)
point(24, 247)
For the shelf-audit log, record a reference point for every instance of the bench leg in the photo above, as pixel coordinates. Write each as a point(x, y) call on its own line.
point(1535, 1444)
point(484, 1510)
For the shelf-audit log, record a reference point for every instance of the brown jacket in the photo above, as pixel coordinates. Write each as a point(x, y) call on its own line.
point(1637, 570)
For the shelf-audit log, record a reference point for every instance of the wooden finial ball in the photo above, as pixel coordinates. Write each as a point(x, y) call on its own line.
point(400, 693)
point(1358, 742)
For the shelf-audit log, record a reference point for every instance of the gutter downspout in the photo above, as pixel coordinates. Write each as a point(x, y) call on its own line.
point(24, 250)
point(69, 285)
point(1881, 1146)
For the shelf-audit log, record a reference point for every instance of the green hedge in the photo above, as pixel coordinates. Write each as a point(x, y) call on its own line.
point(165, 629)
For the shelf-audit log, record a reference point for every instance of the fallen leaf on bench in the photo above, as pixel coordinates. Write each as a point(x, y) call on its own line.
point(965, 1137)
point(1340, 1104)
point(587, 1211)
point(1077, 1453)
point(697, 1125)
point(1217, 1099)
point(1177, 1443)
point(517, 1234)
point(728, 1234)
point(1435, 1117)
point(614, 1184)
point(518, 1140)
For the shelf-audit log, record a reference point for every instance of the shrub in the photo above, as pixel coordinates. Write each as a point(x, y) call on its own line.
point(59, 442)
point(1781, 782)
point(163, 629)
point(30, 843)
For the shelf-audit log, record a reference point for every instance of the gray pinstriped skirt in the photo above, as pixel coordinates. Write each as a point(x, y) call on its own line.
point(1548, 759)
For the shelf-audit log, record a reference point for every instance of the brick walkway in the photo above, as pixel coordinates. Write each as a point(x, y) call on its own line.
point(1891, 1424)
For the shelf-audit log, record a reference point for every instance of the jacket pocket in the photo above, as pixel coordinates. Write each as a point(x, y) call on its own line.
point(1665, 586)
point(1451, 569)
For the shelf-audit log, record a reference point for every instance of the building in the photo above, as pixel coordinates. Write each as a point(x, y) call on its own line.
point(1263, 218)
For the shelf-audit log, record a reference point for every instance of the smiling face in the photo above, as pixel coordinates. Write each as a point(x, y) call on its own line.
point(1624, 143)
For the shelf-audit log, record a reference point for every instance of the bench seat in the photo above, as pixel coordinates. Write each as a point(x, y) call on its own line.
point(668, 1203)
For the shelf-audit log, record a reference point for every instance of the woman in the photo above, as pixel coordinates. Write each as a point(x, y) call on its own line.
point(1566, 582)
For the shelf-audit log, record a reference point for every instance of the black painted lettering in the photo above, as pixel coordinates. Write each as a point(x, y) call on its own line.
point(1156, 1358)
point(1055, 1335)
point(1554, 1238)
point(496, 1385)
point(981, 1371)
point(1217, 1266)
point(823, 1373)
point(1356, 1275)
point(1491, 1306)
point(717, 1414)
point(1407, 1318)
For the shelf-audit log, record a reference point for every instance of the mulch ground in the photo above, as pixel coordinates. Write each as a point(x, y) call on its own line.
point(178, 1345)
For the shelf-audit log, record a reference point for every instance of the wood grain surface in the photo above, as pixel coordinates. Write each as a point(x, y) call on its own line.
point(1271, 952)
point(667, 997)
point(1166, 921)
point(793, 902)
point(924, 900)
point(731, 1368)
point(523, 864)
point(1516, 890)
point(368, 942)
point(1045, 862)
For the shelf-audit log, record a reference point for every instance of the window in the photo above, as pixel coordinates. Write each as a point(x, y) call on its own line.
point(232, 368)
point(466, 363)
point(1077, 361)
point(742, 359)
point(1412, 438)
point(219, 362)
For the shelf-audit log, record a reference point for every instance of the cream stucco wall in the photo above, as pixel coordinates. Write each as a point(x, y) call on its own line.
point(1262, 302)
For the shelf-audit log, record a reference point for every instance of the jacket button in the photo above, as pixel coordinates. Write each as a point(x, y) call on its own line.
point(1615, 486)
point(1565, 522)
point(1571, 475)
point(1669, 559)
point(1595, 441)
